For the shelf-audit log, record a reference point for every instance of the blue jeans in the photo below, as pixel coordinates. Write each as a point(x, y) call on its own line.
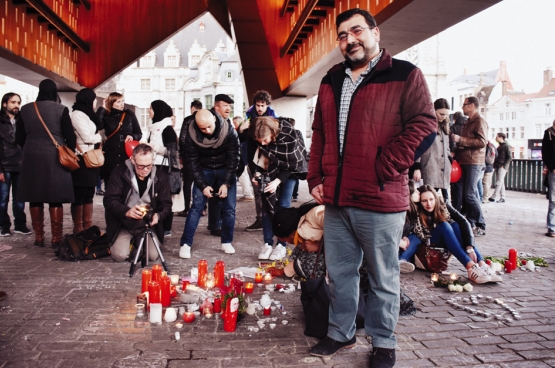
point(444, 235)
point(284, 201)
point(471, 177)
point(551, 208)
point(213, 178)
point(18, 208)
point(352, 233)
point(481, 186)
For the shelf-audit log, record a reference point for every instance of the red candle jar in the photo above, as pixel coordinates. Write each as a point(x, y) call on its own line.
point(173, 291)
point(219, 271)
point(188, 317)
point(202, 270)
point(513, 258)
point(154, 292)
point(156, 272)
point(258, 277)
point(508, 266)
point(231, 312)
point(488, 262)
point(267, 311)
point(217, 305)
point(165, 291)
point(184, 286)
point(146, 277)
point(249, 287)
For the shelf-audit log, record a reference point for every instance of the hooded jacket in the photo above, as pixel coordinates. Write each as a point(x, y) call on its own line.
point(10, 152)
point(390, 123)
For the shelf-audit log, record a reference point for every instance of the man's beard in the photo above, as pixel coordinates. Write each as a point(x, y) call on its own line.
point(358, 60)
point(13, 111)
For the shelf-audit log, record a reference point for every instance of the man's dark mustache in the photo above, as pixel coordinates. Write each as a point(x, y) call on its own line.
point(352, 45)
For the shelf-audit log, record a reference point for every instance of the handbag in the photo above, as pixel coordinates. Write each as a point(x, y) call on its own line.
point(174, 176)
point(68, 158)
point(93, 158)
point(431, 259)
point(315, 299)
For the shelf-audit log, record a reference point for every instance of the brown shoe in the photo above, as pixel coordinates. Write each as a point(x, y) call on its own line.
point(77, 216)
point(37, 221)
point(87, 215)
point(56, 225)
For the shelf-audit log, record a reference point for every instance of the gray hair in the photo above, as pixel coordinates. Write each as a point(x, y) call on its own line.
point(143, 149)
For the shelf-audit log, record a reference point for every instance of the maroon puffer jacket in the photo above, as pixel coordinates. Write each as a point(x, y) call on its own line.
point(391, 123)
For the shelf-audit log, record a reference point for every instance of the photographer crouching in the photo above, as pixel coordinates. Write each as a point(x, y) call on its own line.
point(136, 192)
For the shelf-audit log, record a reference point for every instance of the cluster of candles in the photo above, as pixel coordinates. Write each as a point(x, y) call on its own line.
point(453, 277)
point(457, 303)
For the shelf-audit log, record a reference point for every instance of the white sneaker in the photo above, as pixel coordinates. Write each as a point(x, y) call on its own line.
point(278, 253)
point(228, 248)
point(405, 267)
point(265, 252)
point(494, 277)
point(479, 276)
point(185, 251)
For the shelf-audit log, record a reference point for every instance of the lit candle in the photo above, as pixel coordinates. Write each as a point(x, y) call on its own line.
point(267, 278)
point(209, 281)
point(435, 277)
point(156, 272)
point(454, 276)
point(188, 317)
point(249, 287)
point(267, 311)
point(208, 311)
point(258, 277)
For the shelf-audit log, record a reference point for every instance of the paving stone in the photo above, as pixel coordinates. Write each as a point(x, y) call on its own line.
point(537, 354)
point(449, 360)
point(498, 357)
point(521, 364)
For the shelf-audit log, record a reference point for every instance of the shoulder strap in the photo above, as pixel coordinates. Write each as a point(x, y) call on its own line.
point(119, 126)
point(45, 127)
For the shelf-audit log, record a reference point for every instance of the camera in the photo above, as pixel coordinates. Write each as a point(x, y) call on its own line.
point(147, 214)
point(262, 180)
point(215, 194)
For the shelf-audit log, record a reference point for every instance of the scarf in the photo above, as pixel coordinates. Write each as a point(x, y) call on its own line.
point(161, 111)
point(421, 230)
point(207, 142)
point(84, 102)
point(48, 91)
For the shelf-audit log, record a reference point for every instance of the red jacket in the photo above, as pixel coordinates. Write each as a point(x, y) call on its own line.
point(391, 122)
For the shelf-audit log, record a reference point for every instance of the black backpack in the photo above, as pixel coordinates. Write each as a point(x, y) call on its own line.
point(88, 244)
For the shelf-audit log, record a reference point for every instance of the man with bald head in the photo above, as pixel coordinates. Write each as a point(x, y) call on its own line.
point(212, 155)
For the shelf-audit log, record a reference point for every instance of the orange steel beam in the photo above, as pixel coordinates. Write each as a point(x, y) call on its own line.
point(53, 18)
point(310, 5)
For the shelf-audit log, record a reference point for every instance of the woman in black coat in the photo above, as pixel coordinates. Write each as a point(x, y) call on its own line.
point(43, 179)
point(118, 128)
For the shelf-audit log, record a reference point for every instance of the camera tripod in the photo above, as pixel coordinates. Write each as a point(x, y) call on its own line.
point(144, 240)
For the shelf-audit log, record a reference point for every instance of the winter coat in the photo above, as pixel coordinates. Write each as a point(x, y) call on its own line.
point(155, 139)
point(435, 164)
point(390, 123)
point(548, 148)
point(118, 190)
point(114, 148)
point(223, 157)
point(504, 156)
point(87, 138)
point(10, 152)
point(471, 149)
point(43, 179)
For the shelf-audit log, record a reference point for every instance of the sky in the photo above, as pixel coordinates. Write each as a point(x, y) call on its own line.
point(520, 32)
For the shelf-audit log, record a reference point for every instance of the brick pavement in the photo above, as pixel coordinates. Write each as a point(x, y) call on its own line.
point(98, 298)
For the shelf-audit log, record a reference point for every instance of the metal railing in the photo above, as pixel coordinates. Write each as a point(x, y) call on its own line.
point(524, 176)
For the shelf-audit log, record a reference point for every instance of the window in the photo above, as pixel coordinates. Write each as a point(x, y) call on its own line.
point(506, 116)
point(145, 84)
point(195, 59)
point(538, 131)
point(170, 84)
point(501, 116)
point(144, 118)
point(232, 113)
point(521, 132)
point(492, 133)
point(171, 61)
point(513, 115)
point(208, 101)
point(513, 132)
point(147, 61)
point(229, 75)
point(547, 109)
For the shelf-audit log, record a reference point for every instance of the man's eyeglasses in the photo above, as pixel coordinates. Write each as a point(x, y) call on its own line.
point(355, 31)
point(142, 167)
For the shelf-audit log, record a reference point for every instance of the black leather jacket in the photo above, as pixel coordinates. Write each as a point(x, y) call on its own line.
point(10, 152)
point(226, 156)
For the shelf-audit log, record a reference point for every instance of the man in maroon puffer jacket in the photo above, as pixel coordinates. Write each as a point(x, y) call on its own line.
point(373, 119)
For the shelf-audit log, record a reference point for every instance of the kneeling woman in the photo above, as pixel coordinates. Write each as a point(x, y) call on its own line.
point(435, 223)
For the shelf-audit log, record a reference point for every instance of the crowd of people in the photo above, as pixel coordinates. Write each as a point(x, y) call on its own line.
point(375, 127)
